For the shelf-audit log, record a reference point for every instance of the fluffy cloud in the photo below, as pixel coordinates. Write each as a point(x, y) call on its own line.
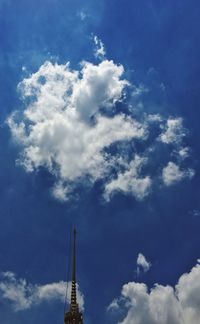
point(172, 173)
point(130, 181)
point(56, 130)
point(142, 263)
point(23, 295)
point(71, 126)
point(184, 152)
point(173, 131)
point(161, 304)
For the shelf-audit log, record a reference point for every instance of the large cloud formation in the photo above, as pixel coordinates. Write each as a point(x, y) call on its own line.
point(71, 126)
point(23, 295)
point(161, 304)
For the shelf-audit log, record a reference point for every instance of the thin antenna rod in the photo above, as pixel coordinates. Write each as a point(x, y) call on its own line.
point(73, 316)
point(68, 267)
point(74, 305)
point(74, 258)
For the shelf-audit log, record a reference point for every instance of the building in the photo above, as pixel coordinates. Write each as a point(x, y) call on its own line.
point(73, 315)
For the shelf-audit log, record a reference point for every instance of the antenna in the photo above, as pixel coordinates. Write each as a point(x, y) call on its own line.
point(73, 316)
point(74, 305)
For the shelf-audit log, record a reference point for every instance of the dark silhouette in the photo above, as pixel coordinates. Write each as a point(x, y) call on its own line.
point(73, 316)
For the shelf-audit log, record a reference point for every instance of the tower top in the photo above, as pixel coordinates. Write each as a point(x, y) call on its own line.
point(73, 316)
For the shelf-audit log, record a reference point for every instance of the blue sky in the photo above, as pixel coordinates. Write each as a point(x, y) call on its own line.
point(123, 165)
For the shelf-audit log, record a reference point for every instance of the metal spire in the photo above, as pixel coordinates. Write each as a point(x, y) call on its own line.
point(74, 305)
point(73, 316)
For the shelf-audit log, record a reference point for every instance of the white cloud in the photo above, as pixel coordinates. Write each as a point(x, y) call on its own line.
point(129, 181)
point(100, 86)
point(195, 213)
point(114, 305)
point(173, 131)
point(55, 129)
point(71, 121)
point(99, 51)
point(162, 304)
point(154, 118)
point(184, 152)
point(83, 15)
point(138, 91)
point(23, 295)
point(142, 263)
point(61, 192)
point(172, 174)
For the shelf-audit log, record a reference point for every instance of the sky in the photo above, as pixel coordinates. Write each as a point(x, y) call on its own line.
point(100, 129)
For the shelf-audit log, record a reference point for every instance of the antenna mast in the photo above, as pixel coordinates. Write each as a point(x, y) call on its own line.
point(73, 316)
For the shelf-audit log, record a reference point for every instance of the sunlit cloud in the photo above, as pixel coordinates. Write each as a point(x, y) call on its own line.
point(72, 127)
point(161, 304)
point(22, 295)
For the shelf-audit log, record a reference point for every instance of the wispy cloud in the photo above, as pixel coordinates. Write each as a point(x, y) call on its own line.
point(99, 50)
point(142, 264)
point(23, 295)
point(82, 14)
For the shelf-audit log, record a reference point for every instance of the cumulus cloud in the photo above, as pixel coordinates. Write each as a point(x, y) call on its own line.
point(71, 127)
point(56, 131)
point(142, 263)
point(23, 295)
point(161, 304)
point(172, 174)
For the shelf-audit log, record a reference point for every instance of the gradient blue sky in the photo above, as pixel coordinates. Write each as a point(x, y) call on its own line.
point(157, 42)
